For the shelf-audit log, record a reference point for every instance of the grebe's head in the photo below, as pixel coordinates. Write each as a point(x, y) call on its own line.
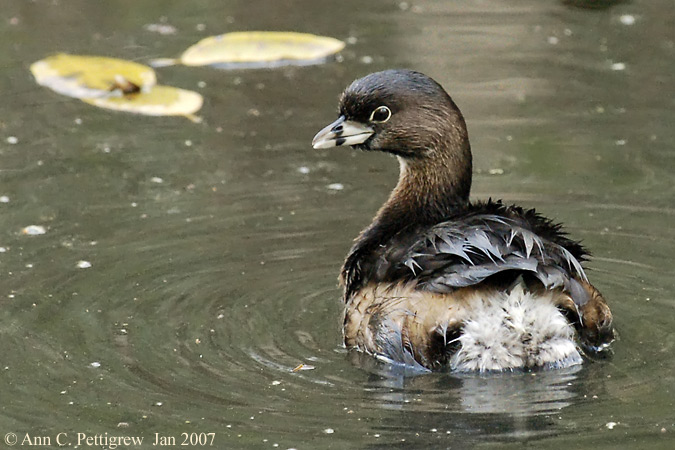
point(402, 112)
point(409, 115)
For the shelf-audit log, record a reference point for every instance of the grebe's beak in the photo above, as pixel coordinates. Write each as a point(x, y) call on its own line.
point(342, 132)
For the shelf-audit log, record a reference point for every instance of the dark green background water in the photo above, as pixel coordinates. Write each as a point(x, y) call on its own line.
point(207, 288)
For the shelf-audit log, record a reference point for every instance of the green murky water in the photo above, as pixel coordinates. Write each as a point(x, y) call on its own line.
point(214, 247)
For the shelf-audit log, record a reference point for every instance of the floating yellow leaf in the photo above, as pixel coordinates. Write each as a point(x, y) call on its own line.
point(91, 76)
point(261, 49)
point(157, 101)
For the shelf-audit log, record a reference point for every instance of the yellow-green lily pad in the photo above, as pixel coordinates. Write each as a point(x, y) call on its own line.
point(156, 101)
point(91, 76)
point(261, 49)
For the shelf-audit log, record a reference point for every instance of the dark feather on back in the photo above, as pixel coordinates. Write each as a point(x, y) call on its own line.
point(471, 245)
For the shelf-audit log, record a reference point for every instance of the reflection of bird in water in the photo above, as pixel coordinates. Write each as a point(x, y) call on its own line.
point(516, 393)
point(438, 281)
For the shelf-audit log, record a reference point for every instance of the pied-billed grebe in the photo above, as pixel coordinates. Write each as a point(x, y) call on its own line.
point(438, 281)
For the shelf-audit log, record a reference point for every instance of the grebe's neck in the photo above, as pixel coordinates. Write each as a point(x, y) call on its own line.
point(427, 192)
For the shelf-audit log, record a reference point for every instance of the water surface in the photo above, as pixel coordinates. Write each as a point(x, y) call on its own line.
point(214, 247)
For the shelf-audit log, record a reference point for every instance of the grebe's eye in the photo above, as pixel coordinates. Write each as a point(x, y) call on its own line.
point(380, 115)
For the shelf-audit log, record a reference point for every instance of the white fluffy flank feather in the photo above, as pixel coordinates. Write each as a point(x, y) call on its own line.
point(515, 329)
